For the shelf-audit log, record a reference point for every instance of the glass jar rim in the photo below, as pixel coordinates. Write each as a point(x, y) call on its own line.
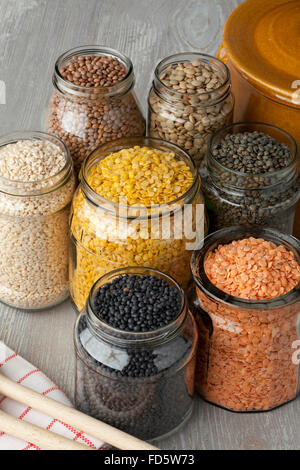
point(230, 234)
point(164, 62)
point(263, 125)
point(64, 85)
point(123, 337)
point(29, 187)
point(113, 146)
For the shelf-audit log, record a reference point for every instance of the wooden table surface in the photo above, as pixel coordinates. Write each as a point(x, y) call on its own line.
point(32, 35)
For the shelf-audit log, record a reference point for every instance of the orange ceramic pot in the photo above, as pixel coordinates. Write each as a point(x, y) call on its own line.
point(261, 44)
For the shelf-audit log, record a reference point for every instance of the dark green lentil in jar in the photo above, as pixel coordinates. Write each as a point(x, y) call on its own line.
point(252, 177)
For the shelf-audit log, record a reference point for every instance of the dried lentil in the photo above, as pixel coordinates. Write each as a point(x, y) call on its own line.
point(137, 303)
point(143, 175)
point(104, 109)
point(188, 102)
point(252, 152)
point(94, 71)
point(253, 269)
point(245, 353)
point(34, 209)
point(252, 179)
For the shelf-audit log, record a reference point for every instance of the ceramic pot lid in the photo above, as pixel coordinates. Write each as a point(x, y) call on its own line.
point(262, 40)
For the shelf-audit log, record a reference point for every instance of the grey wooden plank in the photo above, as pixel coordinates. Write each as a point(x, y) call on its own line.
point(32, 35)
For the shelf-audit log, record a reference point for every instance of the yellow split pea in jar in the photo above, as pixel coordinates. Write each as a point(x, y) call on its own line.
point(138, 204)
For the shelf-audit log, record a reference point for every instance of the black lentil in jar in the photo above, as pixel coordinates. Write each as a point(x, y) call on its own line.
point(144, 390)
point(137, 303)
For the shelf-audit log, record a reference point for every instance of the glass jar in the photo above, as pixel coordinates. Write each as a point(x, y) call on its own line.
point(266, 199)
point(106, 235)
point(188, 119)
point(34, 234)
point(146, 407)
point(246, 359)
point(86, 117)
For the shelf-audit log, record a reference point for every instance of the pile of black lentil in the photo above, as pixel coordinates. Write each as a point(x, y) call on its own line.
point(137, 303)
point(146, 393)
point(252, 152)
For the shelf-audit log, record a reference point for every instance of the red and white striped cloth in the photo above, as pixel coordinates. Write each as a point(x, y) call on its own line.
point(18, 369)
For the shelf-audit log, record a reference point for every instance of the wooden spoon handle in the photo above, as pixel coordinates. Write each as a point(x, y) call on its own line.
point(33, 434)
point(78, 420)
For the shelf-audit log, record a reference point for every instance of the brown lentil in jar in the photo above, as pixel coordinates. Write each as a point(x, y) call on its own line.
point(94, 101)
point(190, 99)
point(248, 324)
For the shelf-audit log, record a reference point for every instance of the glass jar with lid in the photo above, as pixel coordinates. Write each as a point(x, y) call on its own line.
point(248, 355)
point(107, 235)
point(35, 198)
point(256, 197)
point(94, 100)
point(189, 100)
point(113, 382)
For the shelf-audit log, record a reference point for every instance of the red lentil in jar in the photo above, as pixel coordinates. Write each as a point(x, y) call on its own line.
point(247, 307)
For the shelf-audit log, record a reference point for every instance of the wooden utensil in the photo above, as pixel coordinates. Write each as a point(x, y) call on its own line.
point(40, 437)
point(78, 420)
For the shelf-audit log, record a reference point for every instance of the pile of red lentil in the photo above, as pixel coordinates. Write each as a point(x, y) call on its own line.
point(253, 269)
